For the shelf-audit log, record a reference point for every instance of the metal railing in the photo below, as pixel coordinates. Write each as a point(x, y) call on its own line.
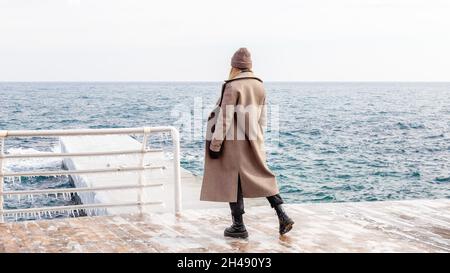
point(140, 186)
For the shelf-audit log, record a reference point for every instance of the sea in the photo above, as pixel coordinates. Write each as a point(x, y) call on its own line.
point(325, 141)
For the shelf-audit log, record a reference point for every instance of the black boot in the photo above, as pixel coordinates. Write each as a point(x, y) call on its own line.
point(285, 222)
point(237, 229)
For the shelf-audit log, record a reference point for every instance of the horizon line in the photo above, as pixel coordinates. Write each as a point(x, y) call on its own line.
point(215, 81)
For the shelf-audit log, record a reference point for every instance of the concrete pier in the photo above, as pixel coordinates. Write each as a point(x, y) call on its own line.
point(390, 226)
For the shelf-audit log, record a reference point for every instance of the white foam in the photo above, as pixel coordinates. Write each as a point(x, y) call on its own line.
point(31, 163)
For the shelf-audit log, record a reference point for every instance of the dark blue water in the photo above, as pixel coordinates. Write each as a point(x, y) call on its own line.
point(336, 141)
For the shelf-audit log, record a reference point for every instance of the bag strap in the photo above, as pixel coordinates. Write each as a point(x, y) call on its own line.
point(232, 80)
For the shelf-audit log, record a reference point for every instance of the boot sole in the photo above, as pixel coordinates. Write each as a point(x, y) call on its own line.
point(241, 235)
point(287, 228)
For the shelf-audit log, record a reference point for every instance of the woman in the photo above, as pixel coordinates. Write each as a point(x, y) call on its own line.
point(235, 160)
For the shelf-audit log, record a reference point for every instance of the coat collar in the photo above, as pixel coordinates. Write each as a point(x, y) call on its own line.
point(243, 75)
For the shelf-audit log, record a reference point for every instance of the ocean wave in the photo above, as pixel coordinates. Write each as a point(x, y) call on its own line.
point(442, 179)
point(410, 125)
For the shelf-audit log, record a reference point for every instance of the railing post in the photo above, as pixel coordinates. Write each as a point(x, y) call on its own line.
point(140, 191)
point(176, 168)
point(3, 135)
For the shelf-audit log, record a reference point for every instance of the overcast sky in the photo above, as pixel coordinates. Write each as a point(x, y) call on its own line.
point(179, 40)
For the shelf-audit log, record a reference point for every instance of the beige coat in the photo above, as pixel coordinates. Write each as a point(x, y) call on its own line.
point(243, 152)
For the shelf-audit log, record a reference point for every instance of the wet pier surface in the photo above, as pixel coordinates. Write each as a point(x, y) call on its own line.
point(390, 226)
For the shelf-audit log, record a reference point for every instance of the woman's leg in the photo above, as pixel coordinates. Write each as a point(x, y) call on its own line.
point(237, 208)
point(237, 229)
point(275, 200)
point(285, 222)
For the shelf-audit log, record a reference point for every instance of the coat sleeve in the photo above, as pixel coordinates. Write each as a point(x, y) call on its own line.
point(225, 118)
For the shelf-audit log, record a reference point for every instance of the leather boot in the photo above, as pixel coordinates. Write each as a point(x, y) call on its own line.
point(237, 229)
point(285, 222)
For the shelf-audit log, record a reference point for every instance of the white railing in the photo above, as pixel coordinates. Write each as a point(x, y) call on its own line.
point(140, 186)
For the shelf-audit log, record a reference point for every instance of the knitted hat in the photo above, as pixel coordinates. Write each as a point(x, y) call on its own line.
point(242, 59)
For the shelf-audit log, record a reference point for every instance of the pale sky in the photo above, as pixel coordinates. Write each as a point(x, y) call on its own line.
point(180, 40)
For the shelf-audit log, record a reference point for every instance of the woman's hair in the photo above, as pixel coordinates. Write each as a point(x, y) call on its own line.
point(235, 71)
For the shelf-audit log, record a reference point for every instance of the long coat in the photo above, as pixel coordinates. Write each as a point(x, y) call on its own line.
point(241, 143)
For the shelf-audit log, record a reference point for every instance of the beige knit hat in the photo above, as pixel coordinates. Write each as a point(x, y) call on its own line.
point(242, 59)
